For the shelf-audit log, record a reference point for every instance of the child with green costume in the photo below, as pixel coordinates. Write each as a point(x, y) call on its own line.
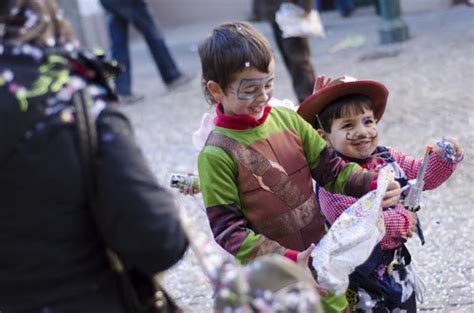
point(257, 166)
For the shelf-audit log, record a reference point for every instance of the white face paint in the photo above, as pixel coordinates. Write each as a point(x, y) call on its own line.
point(251, 89)
point(249, 92)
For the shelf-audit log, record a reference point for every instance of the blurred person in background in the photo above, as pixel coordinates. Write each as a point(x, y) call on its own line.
point(295, 51)
point(121, 13)
point(344, 7)
point(53, 256)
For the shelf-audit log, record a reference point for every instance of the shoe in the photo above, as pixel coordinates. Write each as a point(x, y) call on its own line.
point(131, 98)
point(178, 82)
point(347, 13)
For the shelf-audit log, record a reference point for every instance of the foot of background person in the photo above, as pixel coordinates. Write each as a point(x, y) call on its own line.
point(347, 13)
point(179, 82)
point(131, 98)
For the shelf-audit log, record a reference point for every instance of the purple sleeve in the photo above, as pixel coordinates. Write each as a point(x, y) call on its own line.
point(231, 231)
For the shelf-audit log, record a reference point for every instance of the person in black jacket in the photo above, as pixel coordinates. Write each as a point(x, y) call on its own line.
point(52, 256)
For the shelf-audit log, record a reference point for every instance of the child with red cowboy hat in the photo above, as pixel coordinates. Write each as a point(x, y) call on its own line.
point(345, 111)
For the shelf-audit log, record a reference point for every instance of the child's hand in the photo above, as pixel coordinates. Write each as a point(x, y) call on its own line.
point(443, 151)
point(303, 260)
point(412, 220)
point(303, 257)
point(392, 195)
point(304, 14)
point(189, 190)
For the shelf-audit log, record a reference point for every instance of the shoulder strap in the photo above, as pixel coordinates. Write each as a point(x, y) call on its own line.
point(271, 176)
point(141, 292)
point(87, 137)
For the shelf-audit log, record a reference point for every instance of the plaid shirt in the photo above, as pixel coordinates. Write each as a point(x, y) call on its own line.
point(396, 219)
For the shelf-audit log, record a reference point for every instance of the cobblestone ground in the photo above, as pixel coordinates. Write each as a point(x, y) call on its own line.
point(431, 83)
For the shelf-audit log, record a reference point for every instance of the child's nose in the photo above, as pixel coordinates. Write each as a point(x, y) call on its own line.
point(264, 96)
point(361, 129)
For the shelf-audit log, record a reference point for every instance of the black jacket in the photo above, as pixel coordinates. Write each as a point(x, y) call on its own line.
point(50, 252)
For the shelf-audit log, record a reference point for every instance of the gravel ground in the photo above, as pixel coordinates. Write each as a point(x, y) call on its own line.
point(431, 83)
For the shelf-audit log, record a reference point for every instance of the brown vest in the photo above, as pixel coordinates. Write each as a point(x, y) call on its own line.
point(276, 188)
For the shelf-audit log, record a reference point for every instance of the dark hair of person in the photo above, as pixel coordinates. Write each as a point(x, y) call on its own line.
point(4, 6)
point(35, 22)
point(229, 49)
point(342, 107)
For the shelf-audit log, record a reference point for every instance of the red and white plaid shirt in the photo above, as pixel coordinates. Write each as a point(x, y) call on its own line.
point(396, 219)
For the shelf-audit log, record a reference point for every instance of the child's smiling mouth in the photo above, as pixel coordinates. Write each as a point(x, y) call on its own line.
point(257, 110)
point(362, 142)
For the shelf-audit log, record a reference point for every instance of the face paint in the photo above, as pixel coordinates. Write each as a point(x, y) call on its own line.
point(251, 89)
point(249, 92)
point(370, 137)
point(355, 136)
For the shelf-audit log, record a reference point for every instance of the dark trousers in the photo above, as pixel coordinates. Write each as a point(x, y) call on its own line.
point(343, 6)
point(120, 13)
point(297, 58)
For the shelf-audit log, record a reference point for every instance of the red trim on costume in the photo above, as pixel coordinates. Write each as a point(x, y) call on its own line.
point(373, 183)
point(291, 254)
point(239, 122)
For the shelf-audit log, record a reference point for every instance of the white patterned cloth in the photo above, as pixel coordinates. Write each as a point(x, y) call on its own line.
point(293, 21)
point(352, 237)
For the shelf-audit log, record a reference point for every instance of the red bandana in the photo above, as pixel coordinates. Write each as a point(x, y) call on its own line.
point(239, 122)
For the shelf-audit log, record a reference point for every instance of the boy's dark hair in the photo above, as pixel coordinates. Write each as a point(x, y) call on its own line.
point(227, 51)
point(343, 107)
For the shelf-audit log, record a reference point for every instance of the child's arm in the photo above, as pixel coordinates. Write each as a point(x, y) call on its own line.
point(399, 223)
point(438, 170)
point(334, 204)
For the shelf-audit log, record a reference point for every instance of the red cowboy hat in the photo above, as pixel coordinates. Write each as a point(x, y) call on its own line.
point(327, 90)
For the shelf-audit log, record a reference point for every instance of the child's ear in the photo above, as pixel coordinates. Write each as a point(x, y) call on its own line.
point(215, 90)
point(322, 133)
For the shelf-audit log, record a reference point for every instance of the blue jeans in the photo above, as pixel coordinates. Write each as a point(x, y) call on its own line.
point(120, 13)
point(343, 6)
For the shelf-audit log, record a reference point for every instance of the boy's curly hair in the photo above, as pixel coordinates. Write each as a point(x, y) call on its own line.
point(227, 50)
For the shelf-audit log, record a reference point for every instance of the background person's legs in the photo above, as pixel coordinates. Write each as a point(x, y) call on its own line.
point(345, 7)
point(118, 31)
point(297, 57)
point(145, 23)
